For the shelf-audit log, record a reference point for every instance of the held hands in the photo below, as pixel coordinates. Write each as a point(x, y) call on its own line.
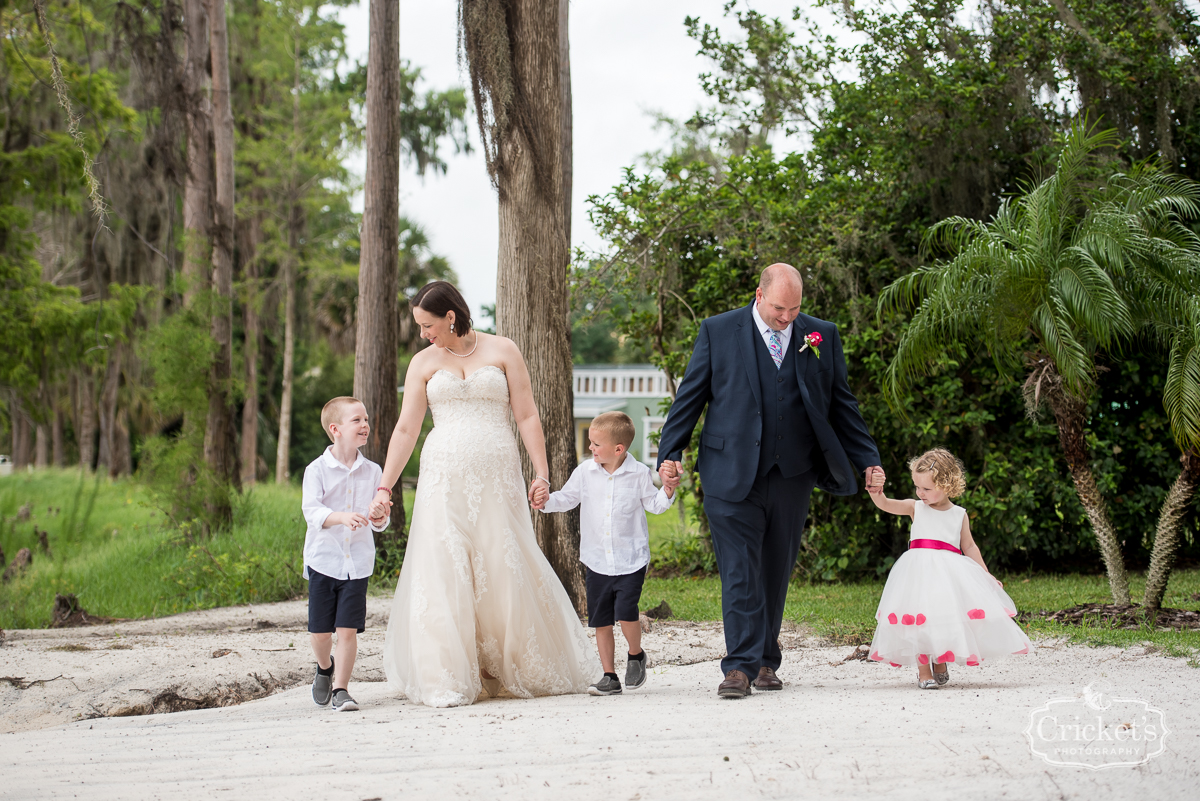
point(539, 493)
point(671, 474)
point(874, 478)
point(380, 508)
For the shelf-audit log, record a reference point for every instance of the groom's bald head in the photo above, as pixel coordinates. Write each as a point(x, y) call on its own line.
point(780, 272)
point(780, 289)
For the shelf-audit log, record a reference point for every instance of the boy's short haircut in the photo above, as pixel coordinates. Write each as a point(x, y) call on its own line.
point(617, 425)
point(334, 412)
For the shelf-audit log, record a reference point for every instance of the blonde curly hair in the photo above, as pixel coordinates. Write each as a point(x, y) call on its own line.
point(944, 468)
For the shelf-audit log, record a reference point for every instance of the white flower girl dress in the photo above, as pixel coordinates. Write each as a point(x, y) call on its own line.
point(941, 606)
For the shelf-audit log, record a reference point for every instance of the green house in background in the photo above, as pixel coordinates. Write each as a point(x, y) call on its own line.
point(635, 389)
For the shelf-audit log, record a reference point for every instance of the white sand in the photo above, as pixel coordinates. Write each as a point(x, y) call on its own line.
point(836, 730)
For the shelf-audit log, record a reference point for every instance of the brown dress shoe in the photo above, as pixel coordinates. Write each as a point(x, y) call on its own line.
point(767, 680)
point(736, 685)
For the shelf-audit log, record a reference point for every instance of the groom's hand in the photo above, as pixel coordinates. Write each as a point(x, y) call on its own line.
point(874, 478)
point(670, 472)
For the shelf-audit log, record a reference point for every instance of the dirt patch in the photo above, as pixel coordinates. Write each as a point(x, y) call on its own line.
point(178, 699)
point(1118, 617)
point(67, 614)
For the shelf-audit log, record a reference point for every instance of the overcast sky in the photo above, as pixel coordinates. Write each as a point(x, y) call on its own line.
point(628, 58)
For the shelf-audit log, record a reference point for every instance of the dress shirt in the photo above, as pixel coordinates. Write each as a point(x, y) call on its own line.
point(785, 336)
point(613, 536)
point(329, 486)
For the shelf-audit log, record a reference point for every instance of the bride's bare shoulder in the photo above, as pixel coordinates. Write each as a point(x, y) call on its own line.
point(424, 363)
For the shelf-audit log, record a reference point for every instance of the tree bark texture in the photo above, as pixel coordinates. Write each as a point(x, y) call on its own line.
point(220, 435)
point(197, 190)
point(85, 430)
point(1166, 535)
point(531, 280)
point(22, 435)
point(1070, 413)
point(377, 332)
point(284, 443)
point(250, 350)
point(41, 446)
point(108, 411)
point(567, 147)
point(56, 437)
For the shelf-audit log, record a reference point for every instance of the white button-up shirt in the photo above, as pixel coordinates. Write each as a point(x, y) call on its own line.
point(613, 536)
point(785, 336)
point(329, 486)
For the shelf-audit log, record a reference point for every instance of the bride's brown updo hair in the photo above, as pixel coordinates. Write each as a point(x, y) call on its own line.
point(440, 297)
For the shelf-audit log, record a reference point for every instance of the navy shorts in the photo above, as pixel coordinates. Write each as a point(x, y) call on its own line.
point(336, 603)
point(613, 598)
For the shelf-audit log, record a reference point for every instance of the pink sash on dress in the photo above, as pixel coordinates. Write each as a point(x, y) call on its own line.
point(936, 545)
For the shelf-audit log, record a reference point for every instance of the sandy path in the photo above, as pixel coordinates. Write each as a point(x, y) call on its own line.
point(836, 730)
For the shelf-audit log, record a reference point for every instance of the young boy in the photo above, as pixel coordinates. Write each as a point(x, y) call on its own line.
point(339, 547)
point(611, 490)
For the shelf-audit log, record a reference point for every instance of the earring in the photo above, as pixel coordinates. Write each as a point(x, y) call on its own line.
point(451, 328)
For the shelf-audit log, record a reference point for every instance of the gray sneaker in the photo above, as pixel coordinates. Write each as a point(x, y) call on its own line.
point(635, 672)
point(322, 688)
point(342, 702)
point(606, 686)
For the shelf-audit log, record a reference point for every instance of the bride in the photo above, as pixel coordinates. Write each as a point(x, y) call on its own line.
point(477, 603)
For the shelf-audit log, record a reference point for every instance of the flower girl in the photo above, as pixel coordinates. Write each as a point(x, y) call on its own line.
point(940, 604)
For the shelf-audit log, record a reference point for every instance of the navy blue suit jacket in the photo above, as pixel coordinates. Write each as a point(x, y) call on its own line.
point(723, 375)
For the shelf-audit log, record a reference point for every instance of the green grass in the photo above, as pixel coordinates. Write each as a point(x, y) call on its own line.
point(110, 547)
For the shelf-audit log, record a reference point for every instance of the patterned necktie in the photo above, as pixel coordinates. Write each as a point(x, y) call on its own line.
point(776, 347)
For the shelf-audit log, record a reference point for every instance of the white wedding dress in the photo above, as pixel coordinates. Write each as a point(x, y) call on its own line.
point(475, 590)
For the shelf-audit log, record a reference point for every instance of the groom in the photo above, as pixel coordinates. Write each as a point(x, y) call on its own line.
point(781, 420)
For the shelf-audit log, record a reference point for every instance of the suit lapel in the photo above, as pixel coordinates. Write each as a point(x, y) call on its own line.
point(746, 344)
point(803, 360)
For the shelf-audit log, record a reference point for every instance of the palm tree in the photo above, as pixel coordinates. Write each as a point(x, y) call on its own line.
point(1166, 295)
point(1037, 286)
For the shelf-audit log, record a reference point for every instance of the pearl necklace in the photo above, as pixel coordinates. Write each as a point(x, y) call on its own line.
point(468, 353)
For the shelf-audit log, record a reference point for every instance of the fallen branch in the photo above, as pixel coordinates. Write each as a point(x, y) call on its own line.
point(20, 683)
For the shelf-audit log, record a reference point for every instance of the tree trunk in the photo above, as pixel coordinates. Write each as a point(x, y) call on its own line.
point(197, 190)
point(41, 446)
point(290, 263)
point(250, 353)
point(377, 329)
point(283, 449)
point(567, 147)
point(531, 281)
point(56, 437)
point(121, 463)
point(1070, 414)
point(22, 434)
point(220, 437)
point(108, 409)
point(1166, 536)
point(86, 430)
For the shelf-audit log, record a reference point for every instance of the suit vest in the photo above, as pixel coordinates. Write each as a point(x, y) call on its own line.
point(787, 434)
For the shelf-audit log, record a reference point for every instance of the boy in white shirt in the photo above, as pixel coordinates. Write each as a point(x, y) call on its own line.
point(339, 547)
point(612, 490)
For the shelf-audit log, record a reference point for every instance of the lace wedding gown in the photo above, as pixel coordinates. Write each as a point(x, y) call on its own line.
point(475, 590)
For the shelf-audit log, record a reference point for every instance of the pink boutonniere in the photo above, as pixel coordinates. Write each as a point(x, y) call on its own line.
point(812, 341)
